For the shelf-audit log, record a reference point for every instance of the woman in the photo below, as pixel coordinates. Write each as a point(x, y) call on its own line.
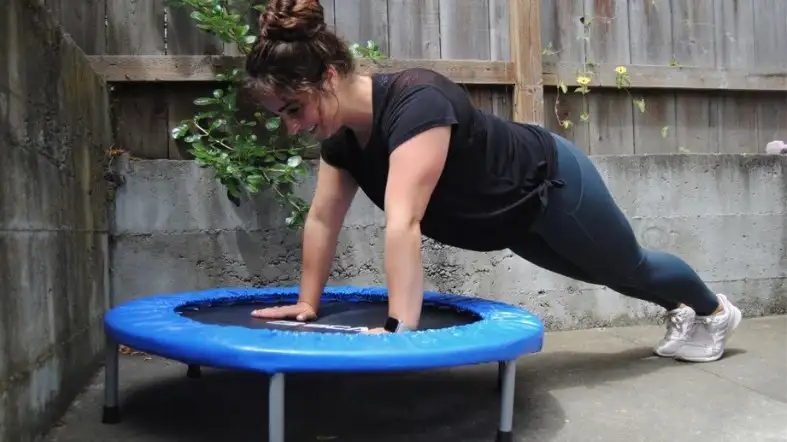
point(413, 142)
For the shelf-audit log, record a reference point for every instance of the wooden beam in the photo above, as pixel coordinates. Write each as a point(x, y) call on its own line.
point(525, 38)
point(189, 68)
point(668, 77)
point(158, 68)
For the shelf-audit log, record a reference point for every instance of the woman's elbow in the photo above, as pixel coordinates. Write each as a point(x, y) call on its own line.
point(403, 225)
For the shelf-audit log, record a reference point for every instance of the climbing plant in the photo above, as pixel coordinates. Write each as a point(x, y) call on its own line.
point(248, 152)
point(584, 79)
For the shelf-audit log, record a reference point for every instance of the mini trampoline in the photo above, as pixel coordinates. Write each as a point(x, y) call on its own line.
point(215, 328)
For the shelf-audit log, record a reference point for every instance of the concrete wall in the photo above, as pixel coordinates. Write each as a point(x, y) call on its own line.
point(174, 230)
point(54, 133)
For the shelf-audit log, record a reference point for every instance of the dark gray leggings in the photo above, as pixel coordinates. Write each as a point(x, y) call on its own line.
point(583, 235)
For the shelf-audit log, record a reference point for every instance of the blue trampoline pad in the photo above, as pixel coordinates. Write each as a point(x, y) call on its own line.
point(215, 328)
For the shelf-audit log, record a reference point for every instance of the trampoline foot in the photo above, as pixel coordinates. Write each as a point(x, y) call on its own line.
point(111, 415)
point(194, 372)
point(504, 436)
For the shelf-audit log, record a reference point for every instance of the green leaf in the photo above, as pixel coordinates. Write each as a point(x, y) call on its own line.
point(273, 124)
point(204, 101)
point(294, 161)
point(179, 131)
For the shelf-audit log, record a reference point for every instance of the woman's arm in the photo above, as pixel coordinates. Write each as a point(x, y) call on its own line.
point(332, 198)
point(415, 167)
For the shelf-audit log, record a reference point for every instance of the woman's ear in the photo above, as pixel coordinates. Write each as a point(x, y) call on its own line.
point(330, 78)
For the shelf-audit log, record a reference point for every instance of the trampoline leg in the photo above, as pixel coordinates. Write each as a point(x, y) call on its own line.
point(507, 377)
point(276, 408)
point(194, 371)
point(111, 412)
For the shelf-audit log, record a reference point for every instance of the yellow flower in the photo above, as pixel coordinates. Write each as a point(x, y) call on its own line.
point(620, 69)
point(583, 80)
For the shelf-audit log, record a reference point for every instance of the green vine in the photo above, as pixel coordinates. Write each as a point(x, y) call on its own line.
point(584, 79)
point(248, 153)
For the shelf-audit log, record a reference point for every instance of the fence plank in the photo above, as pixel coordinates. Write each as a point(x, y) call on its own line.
point(363, 20)
point(525, 35)
point(500, 50)
point(737, 114)
point(329, 12)
point(770, 34)
point(770, 25)
point(771, 118)
point(185, 38)
point(611, 123)
point(562, 34)
point(651, 23)
point(735, 33)
point(694, 42)
point(136, 27)
point(415, 32)
point(83, 20)
point(464, 29)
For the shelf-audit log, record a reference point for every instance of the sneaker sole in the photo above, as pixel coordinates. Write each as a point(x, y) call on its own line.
point(737, 317)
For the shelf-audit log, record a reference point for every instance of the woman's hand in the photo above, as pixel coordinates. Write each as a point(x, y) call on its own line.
point(376, 331)
point(302, 311)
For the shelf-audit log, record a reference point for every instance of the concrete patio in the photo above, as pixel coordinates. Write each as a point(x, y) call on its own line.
point(590, 385)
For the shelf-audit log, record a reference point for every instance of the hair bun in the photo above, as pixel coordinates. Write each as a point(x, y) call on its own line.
point(292, 20)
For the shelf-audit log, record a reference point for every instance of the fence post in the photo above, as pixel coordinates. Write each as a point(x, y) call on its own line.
point(525, 39)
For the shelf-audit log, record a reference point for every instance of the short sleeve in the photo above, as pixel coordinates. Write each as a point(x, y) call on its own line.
point(414, 110)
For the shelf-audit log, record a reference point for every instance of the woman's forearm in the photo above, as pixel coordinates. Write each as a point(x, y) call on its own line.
point(404, 272)
point(319, 249)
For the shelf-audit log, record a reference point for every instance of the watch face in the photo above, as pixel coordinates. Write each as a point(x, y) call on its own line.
point(391, 324)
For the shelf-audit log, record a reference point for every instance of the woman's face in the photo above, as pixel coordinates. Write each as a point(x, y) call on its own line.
point(313, 112)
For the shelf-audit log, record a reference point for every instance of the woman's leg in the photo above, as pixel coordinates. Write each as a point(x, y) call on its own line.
point(538, 252)
point(584, 225)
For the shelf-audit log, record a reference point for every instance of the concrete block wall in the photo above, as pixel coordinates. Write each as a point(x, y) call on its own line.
point(54, 135)
point(174, 230)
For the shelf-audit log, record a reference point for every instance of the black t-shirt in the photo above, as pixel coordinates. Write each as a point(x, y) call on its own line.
point(496, 174)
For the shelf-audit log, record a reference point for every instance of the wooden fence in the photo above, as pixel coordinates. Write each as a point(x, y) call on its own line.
point(712, 73)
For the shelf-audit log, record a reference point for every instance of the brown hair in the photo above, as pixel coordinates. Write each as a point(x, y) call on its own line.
point(295, 49)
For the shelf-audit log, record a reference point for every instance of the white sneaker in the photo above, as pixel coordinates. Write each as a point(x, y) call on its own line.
point(710, 334)
point(679, 327)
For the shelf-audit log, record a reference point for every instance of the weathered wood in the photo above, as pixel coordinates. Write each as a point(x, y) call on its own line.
point(185, 38)
point(464, 29)
point(611, 115)
point(415, 33)
point(697, 114)
point(205, 68)
point(669, 77)
point(83, 21)
point(650, 23)
point(362, 20)
point(562, 33)
point(698, 125)
point(525, 36)
point(500, 50)
point(771, 118)
point(136, 28)
point(155, 68)
point(738, 118)
point(770, 38)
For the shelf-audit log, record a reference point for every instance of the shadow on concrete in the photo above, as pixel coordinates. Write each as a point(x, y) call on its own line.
point(451, 404)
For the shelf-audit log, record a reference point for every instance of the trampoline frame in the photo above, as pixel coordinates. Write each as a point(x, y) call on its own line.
point(506, 379)
point(276, 385)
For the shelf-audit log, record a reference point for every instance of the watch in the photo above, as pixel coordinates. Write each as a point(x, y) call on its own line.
point(394, 325)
